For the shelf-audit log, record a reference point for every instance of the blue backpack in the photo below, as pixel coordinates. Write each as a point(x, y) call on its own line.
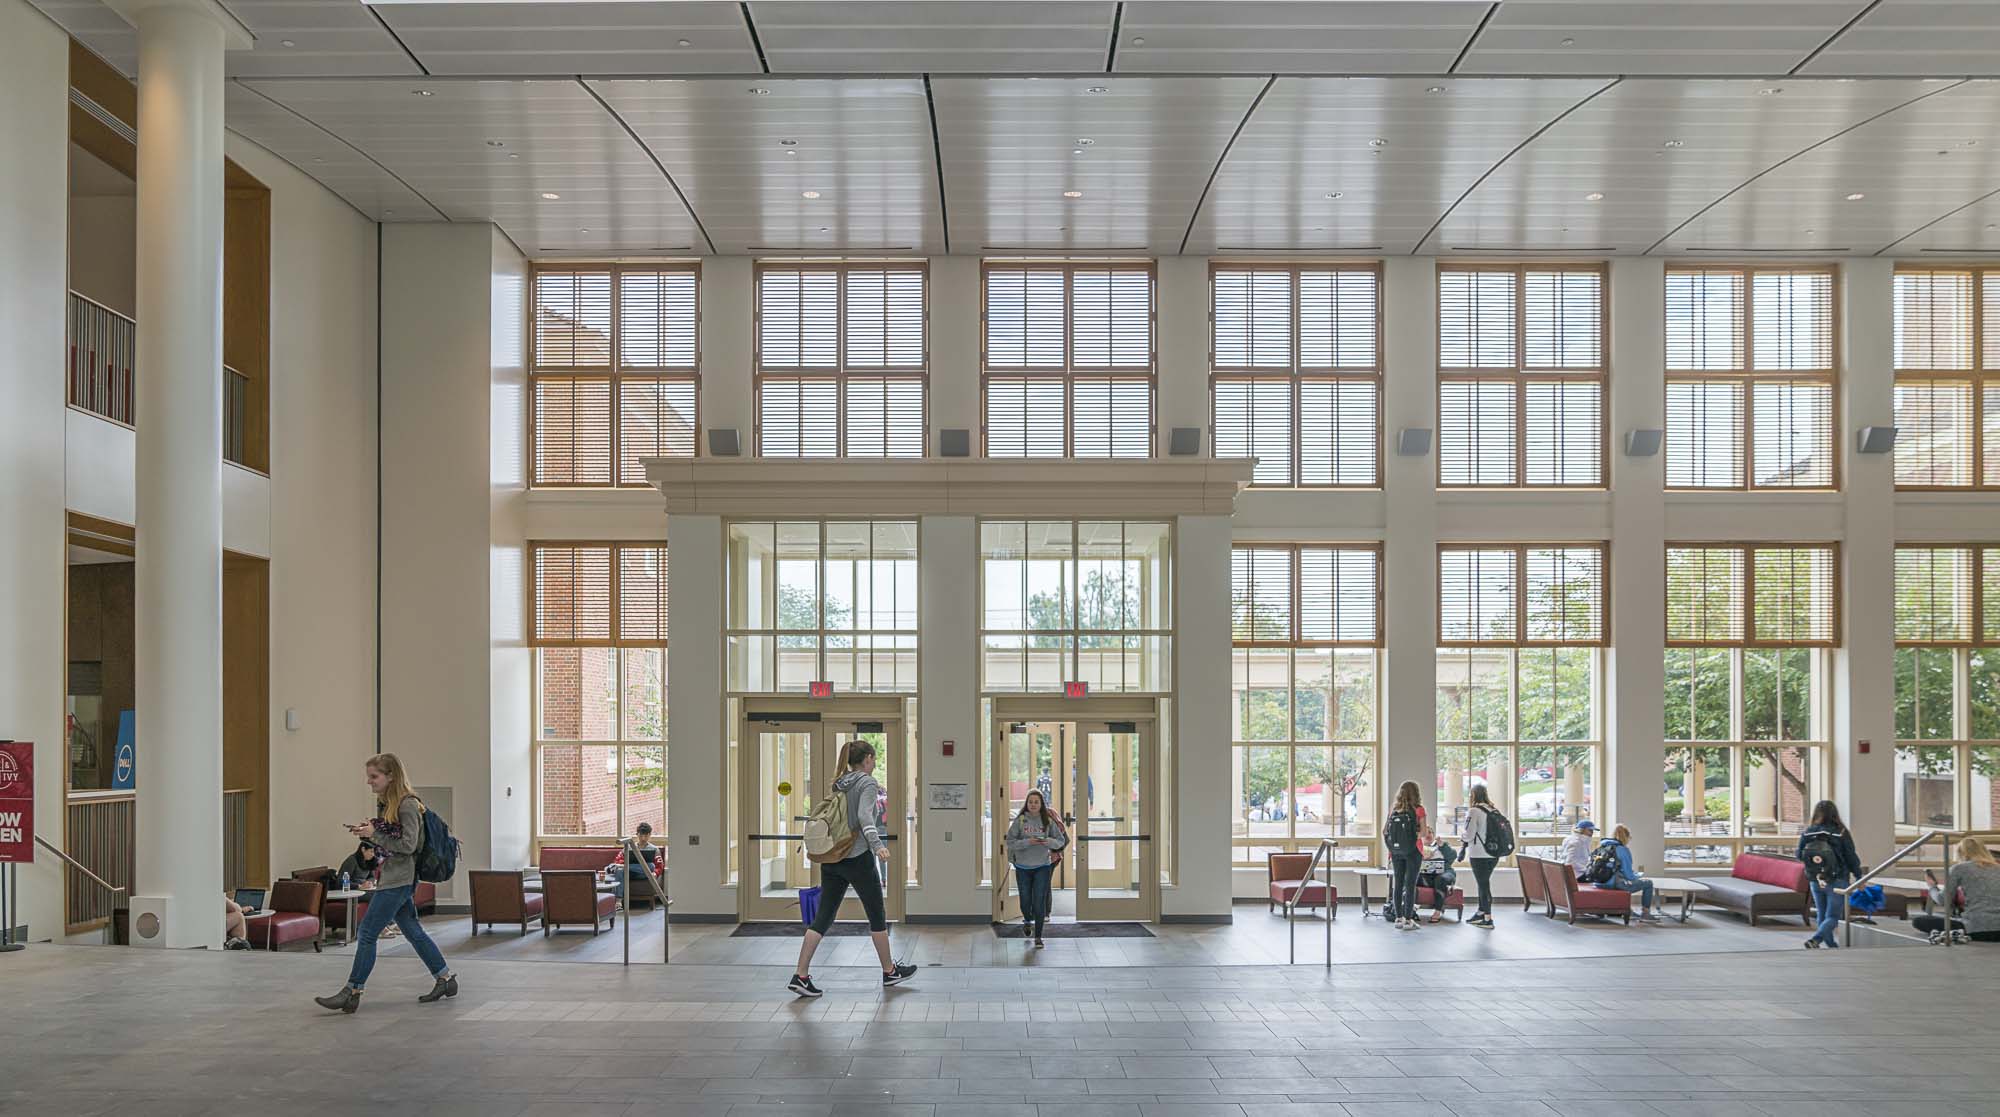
point(437, 856)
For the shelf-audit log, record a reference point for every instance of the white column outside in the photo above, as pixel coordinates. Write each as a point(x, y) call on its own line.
point(178, 628)
point(1630, 786)
point(1864, 666)
point(1409, 682)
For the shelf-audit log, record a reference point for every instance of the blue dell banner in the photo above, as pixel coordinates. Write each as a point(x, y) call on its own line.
point(124, 771)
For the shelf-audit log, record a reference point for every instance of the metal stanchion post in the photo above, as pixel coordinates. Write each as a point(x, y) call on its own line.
point(10, 908)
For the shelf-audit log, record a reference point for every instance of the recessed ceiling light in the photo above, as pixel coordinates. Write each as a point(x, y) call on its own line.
point(421, 92)
point(1334, 195)
point(1856, 196)
point(317, 159)
point(583, 230)
point(1569, 42)
point(788, 143)
point(1769, 91)
point(1593, 196)
point(1138, 40)
point(824, 229)
point(1378, 142)
point(495, 143)
point(388, 213)
point(1971, 143)
point(758, 91)
point(286, 43)
point(792, 151)
point(1434, 89)
point(808, 193)
point(1671, 143)
point(1097, 89)
point(549, 196)
point(1078, 151)
point(1812, 232)
point(1084, 141)
point(513, 155)
point(1072, 193)
point(684, 42)
point(1990, 228)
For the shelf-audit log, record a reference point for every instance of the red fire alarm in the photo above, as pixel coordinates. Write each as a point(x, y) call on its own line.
point(949, 747)
point(1865, 746)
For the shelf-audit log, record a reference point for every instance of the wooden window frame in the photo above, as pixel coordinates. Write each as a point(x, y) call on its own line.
point(1293, 552)
point(840, 374)
point(1963, 746)
point(819, 632)
point(1521, 550)
point(1749, 376)
point(1748, 551)
point(1069, 372)
point(1072, 631)
point(614, 373)
point(1977, 633)
point(1978, 377)
point(614, 638)
point(1518, 375)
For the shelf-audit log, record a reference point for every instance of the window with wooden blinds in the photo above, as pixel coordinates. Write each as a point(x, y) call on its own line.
point(1948, 596)
point(597, 594)
point(842, 357)
point(614, 368)
point(1306, 595)
point(1295, 353)
point(1751, 361)
point(1753, 595)
point(1068, 358)
point(1522, 595)
point(1522, 374)
point(1947, 378)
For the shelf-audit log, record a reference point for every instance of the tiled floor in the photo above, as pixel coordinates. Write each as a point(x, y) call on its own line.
point(101, 1030)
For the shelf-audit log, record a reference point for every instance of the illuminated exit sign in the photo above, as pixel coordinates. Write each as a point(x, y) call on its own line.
point(819, 689)
point(1076, 690)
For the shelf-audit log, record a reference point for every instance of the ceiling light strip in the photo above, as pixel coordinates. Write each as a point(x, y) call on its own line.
point(102, 115)
point(664, 173)
point(756, 40)
point(1111, 52)
point(1224, 158)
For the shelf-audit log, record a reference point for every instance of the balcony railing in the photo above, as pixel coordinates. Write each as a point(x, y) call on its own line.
point(102, 835)
point(102, 345)
point(235, 412)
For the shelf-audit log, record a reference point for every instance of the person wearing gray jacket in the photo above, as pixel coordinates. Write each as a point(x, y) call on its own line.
point(1974, 882)
point(858, 870)
point(1033, 843)
point(396, 833)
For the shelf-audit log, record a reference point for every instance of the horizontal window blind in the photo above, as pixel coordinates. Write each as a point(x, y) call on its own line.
point(1522, 376)
point(1522, 595)
point(1068, 354)
point(614, 371)
point(1306, 595)
point(1296, 357)
point(1947, 352)
point(599, 593)
point(842, 353)
point(1751, 363)
point(1769, 595)
point(1935, 589)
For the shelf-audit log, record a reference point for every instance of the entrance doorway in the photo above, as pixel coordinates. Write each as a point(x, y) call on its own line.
point(789, 758)
point(1097, 766)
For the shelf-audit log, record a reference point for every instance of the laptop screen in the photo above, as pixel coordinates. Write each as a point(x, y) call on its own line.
point(250, 898)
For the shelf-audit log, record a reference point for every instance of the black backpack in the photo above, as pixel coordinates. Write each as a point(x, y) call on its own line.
point(1400, 833)
point(437, 856)
point(1603, 865)
point(1821, 853)
point(1499, 834)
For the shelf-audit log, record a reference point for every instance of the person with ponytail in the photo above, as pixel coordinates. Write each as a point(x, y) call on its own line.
point(857, 870)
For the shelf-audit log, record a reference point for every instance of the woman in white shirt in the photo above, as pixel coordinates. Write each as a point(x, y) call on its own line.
point(1482, 861)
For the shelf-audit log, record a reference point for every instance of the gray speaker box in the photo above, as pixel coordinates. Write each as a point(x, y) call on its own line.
point(1184, 442)
point(1413, 442)
point(722, 443)
point(954, 442)
point(1642, 443)
point(1876, 440)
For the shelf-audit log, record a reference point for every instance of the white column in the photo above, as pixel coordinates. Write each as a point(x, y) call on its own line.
point(1630, 787)
point(1409, 683)
point(1864, 666)
point(1183, 348)
point(179, 396)
point(727, 306)
point(1201, 721)
point(697, 739)
point(948, 710)
point(955, 347)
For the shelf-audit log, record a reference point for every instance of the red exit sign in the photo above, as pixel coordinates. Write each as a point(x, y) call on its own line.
point(1076, 690)
point(819, 689)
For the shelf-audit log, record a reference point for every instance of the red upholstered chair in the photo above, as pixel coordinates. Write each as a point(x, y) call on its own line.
point(1454, 899)
point(571, 899)
point(1584, 899)
point(1534, 882)
point(1289, 886)
point(294, 916)
point(498, 897)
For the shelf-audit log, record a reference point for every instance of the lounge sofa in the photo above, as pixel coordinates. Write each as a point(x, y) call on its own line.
point(502, 897)
point(1290, 887)
point(1568, 895)
point(293, 916)
point(1534, 882)
point(333, 913)
point(1761, 884)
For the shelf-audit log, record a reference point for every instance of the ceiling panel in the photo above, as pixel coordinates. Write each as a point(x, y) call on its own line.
point(929, 36)
point(1973, 230)
point(1919, 38)
point(1910, 166)
point(1011, 149)
point(1743, 37)
point(1307, 37)
point(864, 146)
point(489, 150)
point(337, 165)
point(582, 37)
point(311, 38)
point(97, 27)
point(1658, 150)
point(1312, 137)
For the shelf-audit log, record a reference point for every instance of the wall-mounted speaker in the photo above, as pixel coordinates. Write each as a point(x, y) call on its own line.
point(1184, 442)
point(1413, 442)
point(723, 443)
point(148, 926)
point(1876, 440)
point(1642, 443)
point(954, 442)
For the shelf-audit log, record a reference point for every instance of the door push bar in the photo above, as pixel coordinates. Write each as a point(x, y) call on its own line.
point(794, 837)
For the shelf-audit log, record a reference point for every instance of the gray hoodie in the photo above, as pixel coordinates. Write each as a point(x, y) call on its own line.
point(1021, 847)
point(1981, 884)
point(864, 811)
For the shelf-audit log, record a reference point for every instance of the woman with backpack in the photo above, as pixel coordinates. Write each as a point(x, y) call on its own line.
point(1828, 852)
point(1611, 867)
point(1033, 842)
point(1403, 833)
point(1482, 824)
point(396, 832)
point(862, 797)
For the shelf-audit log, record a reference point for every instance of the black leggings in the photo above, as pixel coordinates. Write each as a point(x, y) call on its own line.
point(1403, 885)
point(836, 877)
point(1932, 924)
point(1482, 872)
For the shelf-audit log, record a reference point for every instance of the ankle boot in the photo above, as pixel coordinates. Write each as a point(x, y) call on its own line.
point(446, 986)
point(348, 1000)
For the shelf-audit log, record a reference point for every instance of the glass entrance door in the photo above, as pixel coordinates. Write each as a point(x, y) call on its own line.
point(791, 762)
point(1117, 874)
point(1030, 756)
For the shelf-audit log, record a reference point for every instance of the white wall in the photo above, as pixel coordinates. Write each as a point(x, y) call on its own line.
point(103, 246)
point(34, 135)
point(508, 786)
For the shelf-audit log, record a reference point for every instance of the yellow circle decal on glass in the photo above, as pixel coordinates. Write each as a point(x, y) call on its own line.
point(785, 787)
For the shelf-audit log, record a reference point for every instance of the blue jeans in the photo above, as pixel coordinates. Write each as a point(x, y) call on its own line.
point(1635, 884)
point(1034, 888)
point(398, 906)
point(1830, 905)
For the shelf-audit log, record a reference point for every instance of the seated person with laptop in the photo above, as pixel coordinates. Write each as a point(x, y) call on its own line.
point(635, 872)
point(236, 912)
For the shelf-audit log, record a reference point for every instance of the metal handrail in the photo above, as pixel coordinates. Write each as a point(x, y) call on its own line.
point(1322, 857)
point(111, 889)
point(659, 890)
point(1860, 882)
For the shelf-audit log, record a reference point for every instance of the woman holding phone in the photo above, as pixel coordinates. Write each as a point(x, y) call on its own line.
point(1033, 841)
point(1972, 888)
point(396, 832)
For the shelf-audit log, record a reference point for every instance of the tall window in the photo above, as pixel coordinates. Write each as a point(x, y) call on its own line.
point(841, 359)
point(1947, 688)
point(832, 601)
point(612, 378)
point(1069, 601)
point(1068, 360)
point(1521, 376)
point(598, 625)
point(1521, 632)
point(1751, 363)
point(1749, 629)
point(1947, 378)
point(1296, 354)
point(1306, 621)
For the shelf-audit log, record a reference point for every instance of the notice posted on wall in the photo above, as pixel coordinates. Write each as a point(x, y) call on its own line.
point(950, 796)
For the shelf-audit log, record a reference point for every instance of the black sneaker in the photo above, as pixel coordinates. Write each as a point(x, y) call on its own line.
point(802, 985)
point(903, 973)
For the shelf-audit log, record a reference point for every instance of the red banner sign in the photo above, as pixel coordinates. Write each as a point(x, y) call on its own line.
point(17, 801)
